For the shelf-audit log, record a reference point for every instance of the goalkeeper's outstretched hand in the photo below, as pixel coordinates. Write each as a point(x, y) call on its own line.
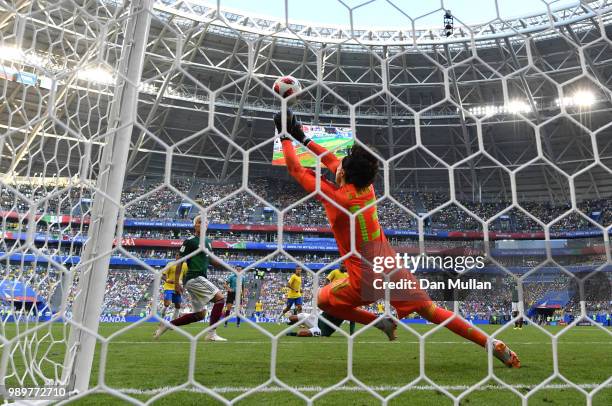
point(293, 127)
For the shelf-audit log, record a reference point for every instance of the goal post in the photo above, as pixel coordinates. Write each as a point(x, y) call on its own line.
point(96, 254)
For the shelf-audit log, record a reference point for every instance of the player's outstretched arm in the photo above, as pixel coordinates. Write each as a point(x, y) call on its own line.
point(305, 177)
point(329, 159)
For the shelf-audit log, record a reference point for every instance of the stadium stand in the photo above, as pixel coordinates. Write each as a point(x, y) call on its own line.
point(128, 290)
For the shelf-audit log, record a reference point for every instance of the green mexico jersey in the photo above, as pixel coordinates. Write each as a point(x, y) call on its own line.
point(197, 264)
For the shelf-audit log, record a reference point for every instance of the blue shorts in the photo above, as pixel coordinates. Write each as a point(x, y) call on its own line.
point(295, 301)
point(172, 296)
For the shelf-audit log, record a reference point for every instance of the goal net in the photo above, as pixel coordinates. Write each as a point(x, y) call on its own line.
point(122, 121)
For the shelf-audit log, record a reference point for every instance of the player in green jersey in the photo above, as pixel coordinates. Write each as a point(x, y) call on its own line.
point(201, 290)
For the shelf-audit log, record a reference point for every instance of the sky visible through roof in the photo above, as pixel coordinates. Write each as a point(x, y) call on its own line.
point(382, 13)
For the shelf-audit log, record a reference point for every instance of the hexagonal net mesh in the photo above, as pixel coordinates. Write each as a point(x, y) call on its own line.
point(122, 121)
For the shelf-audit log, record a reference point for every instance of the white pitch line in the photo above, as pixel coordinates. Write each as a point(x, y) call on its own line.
point(319, 341)
point(234, 389)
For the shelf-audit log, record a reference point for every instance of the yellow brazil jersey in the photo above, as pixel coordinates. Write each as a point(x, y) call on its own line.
point(336, 275)
point(258, 306)
point(380, 307)
point(295, 282)
point(170, 272)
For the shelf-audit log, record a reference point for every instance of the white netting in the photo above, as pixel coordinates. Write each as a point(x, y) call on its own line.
point(483, 131)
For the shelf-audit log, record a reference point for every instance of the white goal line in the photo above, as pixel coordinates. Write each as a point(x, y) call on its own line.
point(318, 341)
point(235, 389)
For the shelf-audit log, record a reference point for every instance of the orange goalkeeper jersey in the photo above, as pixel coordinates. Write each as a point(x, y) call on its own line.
point(367, 228)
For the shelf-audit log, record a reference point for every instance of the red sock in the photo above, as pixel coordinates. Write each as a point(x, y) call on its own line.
point(186, 319)
point(216, 312)
point(227, 313)
point(458, 325)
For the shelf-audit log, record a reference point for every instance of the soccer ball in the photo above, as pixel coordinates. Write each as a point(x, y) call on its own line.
point(286, 86)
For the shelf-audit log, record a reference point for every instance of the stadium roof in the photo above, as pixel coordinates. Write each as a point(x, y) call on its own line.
point(366, 31)
point(388, 14)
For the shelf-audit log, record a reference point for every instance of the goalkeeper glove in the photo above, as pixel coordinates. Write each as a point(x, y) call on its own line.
point(293, 127)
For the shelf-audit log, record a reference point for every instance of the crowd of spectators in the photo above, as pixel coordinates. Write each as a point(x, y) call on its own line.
point(157, 234)
point(243, 207)
point(76, 200)
point(159, 203)
point(126, 289)
point(46, 199)
point(229, 203)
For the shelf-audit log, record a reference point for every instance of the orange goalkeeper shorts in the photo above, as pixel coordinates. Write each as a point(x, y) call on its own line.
point(341, 293)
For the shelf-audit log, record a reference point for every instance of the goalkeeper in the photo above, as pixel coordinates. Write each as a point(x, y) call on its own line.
point(353, 192)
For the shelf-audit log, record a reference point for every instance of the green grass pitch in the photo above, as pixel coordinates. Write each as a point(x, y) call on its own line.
point(141, 367)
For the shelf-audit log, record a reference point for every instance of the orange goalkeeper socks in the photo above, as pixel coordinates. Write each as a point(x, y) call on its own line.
point(458, 325)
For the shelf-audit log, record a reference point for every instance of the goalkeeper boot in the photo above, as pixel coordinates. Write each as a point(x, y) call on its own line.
point(160, 330)
point(505, 354)
point(389, 327)
point(213, 336)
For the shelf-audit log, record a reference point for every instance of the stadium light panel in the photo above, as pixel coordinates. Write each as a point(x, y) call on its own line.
point(13, 54)
point(97, 75)
point(35, 59)
point(519, 106)
point(582, 98)
point(148, 88)
point(514, 107)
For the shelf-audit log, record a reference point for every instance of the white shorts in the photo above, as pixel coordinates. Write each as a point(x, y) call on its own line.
point(201, 291)
point(310, 321)
point(315, 331)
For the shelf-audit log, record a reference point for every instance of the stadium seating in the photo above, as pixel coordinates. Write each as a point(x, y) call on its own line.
point(129, 289)
point(243, 208)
